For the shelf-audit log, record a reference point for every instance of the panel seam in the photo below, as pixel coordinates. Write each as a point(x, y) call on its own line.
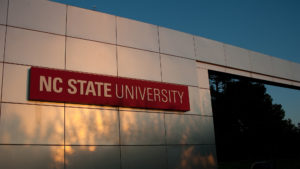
point(4, 50)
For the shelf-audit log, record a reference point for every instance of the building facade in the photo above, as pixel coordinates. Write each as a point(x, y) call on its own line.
point(36, 134)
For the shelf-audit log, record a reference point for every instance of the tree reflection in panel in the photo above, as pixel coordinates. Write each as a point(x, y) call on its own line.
point(252, 130)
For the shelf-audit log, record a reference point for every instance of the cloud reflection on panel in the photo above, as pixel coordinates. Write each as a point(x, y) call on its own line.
point(91, 127)
point(190, 157)
point(79, 157)
point(142, 128)
point(189, 129)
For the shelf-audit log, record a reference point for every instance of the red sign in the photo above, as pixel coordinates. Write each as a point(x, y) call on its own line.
point(74, 87)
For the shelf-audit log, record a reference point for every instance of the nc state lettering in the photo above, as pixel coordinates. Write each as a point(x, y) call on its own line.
point(49, 84)
point(104, 89)
point(89, 88)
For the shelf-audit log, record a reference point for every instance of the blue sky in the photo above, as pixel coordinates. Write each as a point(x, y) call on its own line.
point(289, 99)
point(271, 27)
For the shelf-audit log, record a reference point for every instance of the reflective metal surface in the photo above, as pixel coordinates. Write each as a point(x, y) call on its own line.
point(143, 157)
point(138, 64)
point(91, 157)
point(237, 57)
point(137, 34)
point(282, 81)
point(34, 48)
point(178, 70)
point(281, 68)
point(238, 72)
point(189, 129)
point(31, 124)
point(142, 128)
point(3, 11)
point(261, 63)
point(262, 77)
point(89, 106)
point(33, 157)
point(38, 15)
point(92, 57)
point(1, 69)
point(192, 157)
point(296, 70)
point(15, 85)
point(2, 40)
point(203, 81)
point(91, 25)
point(205, 102)
point(171, 42)
point(200, 101)
point(91, 127)
point(194, 98)
point(209, 51)
point(210, 67)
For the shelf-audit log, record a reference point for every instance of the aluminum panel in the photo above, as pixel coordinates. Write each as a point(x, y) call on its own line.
point(296, 84)
point(33, 157)
point(3, 11)
point(237, 57)
point(262, 77)
point(137, 34)
point(15, 85)
point(203, 79)
point(143, 157)
point(2, 41)
point(189, 129)
point(295, 71)
point(141, 110)
point(282, 81)
point(91, 157)
point(138, 64)
point(31, 124)
point(282, 68)
point(176, 43)
point(205, 102)
point(15, 80)
point(211, 67)
point(178, 70)
point(34, 48)
point(194, 97)
point(238, 72)
point(91, 127)
point(139, 128)
point(89, 106)
point(209, 51)
point(192, 157)
point(91, 25)
point(1, 75)
point(261, 63)
point(91, 57)
point(200, 102)
point(38, 15)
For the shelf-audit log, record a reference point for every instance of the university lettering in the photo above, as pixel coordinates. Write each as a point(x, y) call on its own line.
point(72, 87)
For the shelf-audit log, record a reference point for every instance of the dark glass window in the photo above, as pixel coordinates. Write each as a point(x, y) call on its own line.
point(256, 124)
